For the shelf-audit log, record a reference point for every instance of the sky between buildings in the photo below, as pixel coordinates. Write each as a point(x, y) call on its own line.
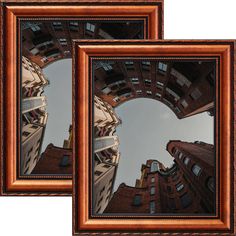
point(59, 102)
point(147, 126)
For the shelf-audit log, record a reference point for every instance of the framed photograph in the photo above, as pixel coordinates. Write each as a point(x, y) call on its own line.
point(36, 84)
point(153, 137)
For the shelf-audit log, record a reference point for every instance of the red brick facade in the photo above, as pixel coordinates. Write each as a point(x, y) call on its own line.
point(55, 161)
point(187, 88)
point(44, 42)
point(180, 189)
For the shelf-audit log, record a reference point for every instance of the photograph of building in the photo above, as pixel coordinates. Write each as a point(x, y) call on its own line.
point(188, 186)
point(45, 43)
point(185, 184)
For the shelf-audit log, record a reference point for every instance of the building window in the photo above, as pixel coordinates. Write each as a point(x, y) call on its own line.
point(152, 190)
point(154, 166)
point(152, 207)
point(34, 27)
point(160, 84)
point(100, 200)
point(137, 200)
point(211, 184)
point(106, 90)
point(147, 82)
point(57, 25)
point(106, 166)
point(186, 160)
point(129, 65)
point(65, 161)
point(185, 200)
point(63, 42)
point(180, 155)
point(149, 92)
point(179, 187)
point(90, 27)
point(106, 67)
point(153, 180)
point(196, 93)
point(135, 80)
point(158, 95)
point(177, 110)
point(196, 169)
point(25, 134)
point(139, 91)
point(74, 26)
point(26, 170)
point(116, 99)
point(97, 172)
point(180, 79)
point(184, 103)
point(162, 67)
point(102, 190)
point(174, 94)
point(34, 126)
point(146, 65)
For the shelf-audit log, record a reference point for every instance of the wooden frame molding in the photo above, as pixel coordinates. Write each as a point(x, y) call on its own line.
point(12, 12)
point(85, 52)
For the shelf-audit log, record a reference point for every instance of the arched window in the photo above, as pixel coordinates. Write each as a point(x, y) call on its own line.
point(137, 200)
point(196, 169)
point(154, 166)
point(211, 184)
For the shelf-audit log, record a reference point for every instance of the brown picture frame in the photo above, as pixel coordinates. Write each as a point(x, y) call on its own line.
point(84, 222)
point(11, 13)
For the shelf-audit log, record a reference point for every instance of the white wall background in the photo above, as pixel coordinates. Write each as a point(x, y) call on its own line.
point(184, 19)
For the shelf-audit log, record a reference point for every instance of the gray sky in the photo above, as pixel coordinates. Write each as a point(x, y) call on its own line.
point(59, 102)
point(147, 126)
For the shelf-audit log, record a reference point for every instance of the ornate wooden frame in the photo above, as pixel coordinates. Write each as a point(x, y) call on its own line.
point(11, 13)
point(84, 223)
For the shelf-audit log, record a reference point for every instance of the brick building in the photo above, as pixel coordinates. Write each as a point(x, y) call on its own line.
point(44, 42)
point(187, 88)
point(187, 187)
point(55, 161)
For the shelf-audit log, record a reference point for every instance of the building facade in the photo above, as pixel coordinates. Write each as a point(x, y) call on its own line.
point(54, 161)
point(44, 42)
point(188, 187)
point(187, 88)
point(33, 79)
point(34, 115)
point(32, 138)
point(106, 153)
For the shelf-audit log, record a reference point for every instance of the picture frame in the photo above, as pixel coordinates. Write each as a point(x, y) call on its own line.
point(12, 13)
point(85, 221)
